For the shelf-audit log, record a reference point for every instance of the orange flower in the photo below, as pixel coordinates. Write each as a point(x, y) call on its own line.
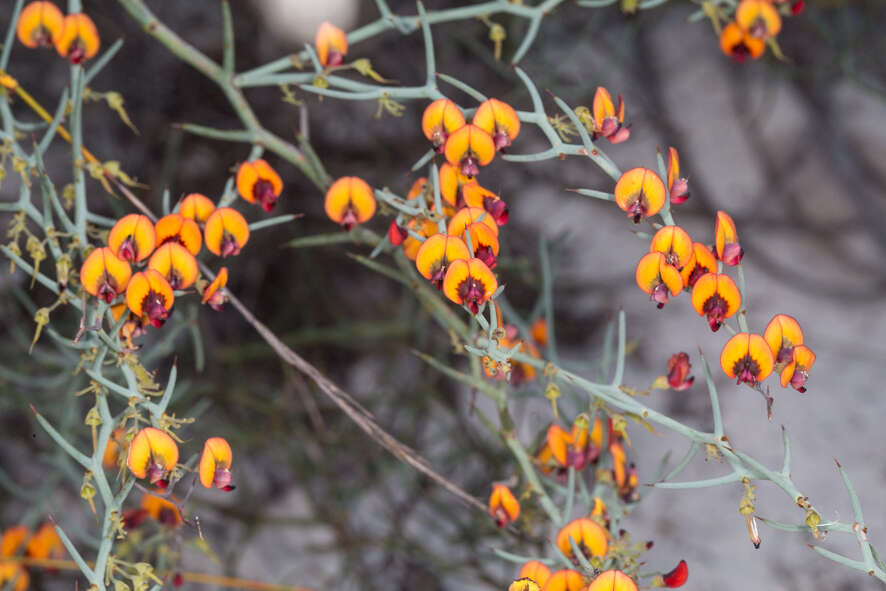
point(161, 510)
point(535, 571)
point(39, 24)
point(349, 201)
point(133, 237)
point(726, 237)
point(702, 261)
point(640, 193)
point(149, 295)
point(676, 577)
point(257, 181)
point(13, 571)
point(673, 242)
point(12, 540)
point(45, 543)
point(565, 580)
point(656, 277)
point(176, 264)
point(747, 358)
point(104, 275)
point(678, 372)
point(612, 580)
point(499, 120)
point(796, 372)
point(678, 187)
point(212, 295)
point(624, 474)
point(576, 448)
point(435, 255)
point(78, 40)
point(331, 44)
point(226, 232)
point(469, 148)
point(197, 207)
point(112, 449)
point(452, 183)
point(483, 232)
point(441, 118)
point(476, 196)
point(503, 506)
point(539, 332)
point(600, 511)
point(716, 296)
point(177, 228)
point(467, 216)
point(608, 118)
point(423, 228)
point(759, 18)
point(783, 333)
point(153, 454)
point(469, 283)
point(739, 44)
point(215, 464)
point(589, 538)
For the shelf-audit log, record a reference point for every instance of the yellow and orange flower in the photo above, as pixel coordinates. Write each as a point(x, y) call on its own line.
point(441, 118)
point(484, 242)
point(116, 443)
point(150, 296)
point(436, 254)
point(215, 464)
point(13, 571)
point(702, 261)
point(612, 580)
point(576, 448)
point(331, 44)
point(133, 237)
point(524, 584)
point(726, 240)
point(176, 264)
point(469, 148)
point(258, 182)
point(197, 207)
point(599, 513)
point(104, 275)
point(678, 187)
point(640, 193)
point(13, 538)
point(177, 228)
point(783, 333)
point(673, 242)
point(608, 118)
point(503, 506)
point(499, 120)
point(423, 228)
point(78, 40)
point(476, 196)
point(716, 296)
point(747, 358)
point(656, 277)
point(452, 183)
point(796, 372)
point(226, 232)
point(46, 543)
point(759, 18)
point(738, 44)
point(39, 24)
point(539, 332)
point(153, 454)
point(469, 283)
point(212, 294)
point(624, 474)
point(565, 580)
point(589, 538)
point(535, 571)
point(161, 510)
point(349, 201)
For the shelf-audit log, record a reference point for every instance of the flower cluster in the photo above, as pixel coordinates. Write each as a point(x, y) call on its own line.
point(153, 454)
point(675, 263)
point(74, 36)
point(41, 544)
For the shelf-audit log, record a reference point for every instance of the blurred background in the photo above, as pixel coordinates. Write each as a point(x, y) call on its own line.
point(792, 150)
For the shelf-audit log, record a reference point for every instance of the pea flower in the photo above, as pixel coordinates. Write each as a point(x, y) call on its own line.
point(678, 377)
point(503, 506)
point(176, 264)
point(331, 44)
point(612, 580)
point(153, 454)
point(258, 182)
point(673, 242)
point(499, 120)
point(149, 295)
point(535, 571)
point(702, 261)
point(716, 297)
point(132, 238)
point(78, 40)
point(747, 358)
point(640, 193)
point(676, 577)
point(678, 188)
point(177, 228)
point(469, 283)
point(726, 240)
point(441, 118)
point(436, 254)
point(656, 277)
point(608, 118)
point(197, 207)
point(469, 148)
point(565, 580)
point(104, 275)
point(212, 294)
point(215, 464)
point(39, 24)
point(349, 201)
point(589, 538)
point(226, 232)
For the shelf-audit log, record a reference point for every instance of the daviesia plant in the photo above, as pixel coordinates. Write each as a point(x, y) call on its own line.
point(574, 482)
